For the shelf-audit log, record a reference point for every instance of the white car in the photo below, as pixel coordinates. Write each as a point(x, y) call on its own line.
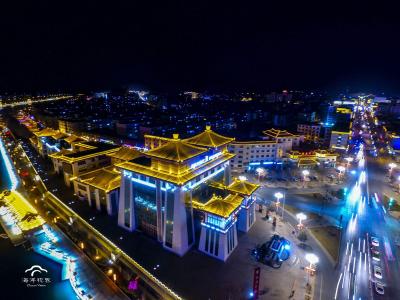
point(378, 272)
point(374, 241)
point(379, 288)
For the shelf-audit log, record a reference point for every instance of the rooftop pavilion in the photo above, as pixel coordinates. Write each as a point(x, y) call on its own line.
point(160, 189)
point(277, 133)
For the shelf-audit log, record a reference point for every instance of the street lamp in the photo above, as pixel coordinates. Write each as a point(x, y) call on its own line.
point(242, 178)
point(301, 217)
point(305, 174)
point(260, 172)
point(341, 170)
point(349, 160)
point(278, 196)
point(391, 167)
point(313, 260)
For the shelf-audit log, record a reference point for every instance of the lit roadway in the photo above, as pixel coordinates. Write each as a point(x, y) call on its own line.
point(32, 101)
point(364, 217)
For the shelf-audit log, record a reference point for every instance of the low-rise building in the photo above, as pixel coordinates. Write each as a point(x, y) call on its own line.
point(85, 157)
point(310, 131)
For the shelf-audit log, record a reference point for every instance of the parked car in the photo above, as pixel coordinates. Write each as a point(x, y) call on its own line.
point(374, 241)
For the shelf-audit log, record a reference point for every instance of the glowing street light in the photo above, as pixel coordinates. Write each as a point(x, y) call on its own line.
point(242, 178)
point(341, 170)
point(391, 167)
point(313, 260)
point(260, 172)
point(279, 196)
point(301, 217)
point(349, 160)
point(305, 174)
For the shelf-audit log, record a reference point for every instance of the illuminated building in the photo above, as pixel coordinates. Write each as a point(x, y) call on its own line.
point(321, 158)
point(267, 152)
point(180, 183)
point(311, 131)
point(252, 154)
point(100, 188)
point(286, 139)
point(82, 158)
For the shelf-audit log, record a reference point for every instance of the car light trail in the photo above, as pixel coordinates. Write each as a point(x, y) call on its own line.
point(337, 285)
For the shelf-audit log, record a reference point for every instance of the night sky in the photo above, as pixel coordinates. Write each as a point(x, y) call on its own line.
point(166, 45)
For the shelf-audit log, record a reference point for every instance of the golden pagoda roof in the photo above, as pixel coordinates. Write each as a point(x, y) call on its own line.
point(277, 133)
point(242, 187)
point(307, 162)
point(73, 138)
point(126, 153)
point(176, 150)
point(222, 207)
point(178, 179)
point(59, 135)
point(209, 138)
point(45, 132)
point(106, 179)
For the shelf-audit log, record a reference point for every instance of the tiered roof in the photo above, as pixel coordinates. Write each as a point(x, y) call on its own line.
point(242, 187)
point(176, 150)
point(106, 179)
point(73, 138)
point(45, 132)
point(209, 138)
point(222, 207)
point(125, 153)
point(277, 133)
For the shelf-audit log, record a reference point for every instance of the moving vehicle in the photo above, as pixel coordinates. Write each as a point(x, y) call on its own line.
point(378, 272)
point(379, 289)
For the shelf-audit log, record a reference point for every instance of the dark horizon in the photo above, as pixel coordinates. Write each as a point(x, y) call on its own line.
point(263, 47)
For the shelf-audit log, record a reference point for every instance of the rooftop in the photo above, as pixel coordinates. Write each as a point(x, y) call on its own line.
point(209, 138)
point(179, 179)
point(277, 133)
point(126, 153)
point(242, 187)
point(222, 207)
point(176, 150)
point(46, 132)
point(106, 179)
point(92, 149)
point(73, 138)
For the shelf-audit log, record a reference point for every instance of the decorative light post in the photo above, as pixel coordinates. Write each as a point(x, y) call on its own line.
point(278, 196)
point(301, 217)
point(242, 178)
point(313, 260)
point(391, 167)
point(341, 171)
point(349, 160)
point(260, 172)
point(305, 174)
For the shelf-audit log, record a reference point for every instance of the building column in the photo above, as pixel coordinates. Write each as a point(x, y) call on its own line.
point(126, 201)
point(109, 204)
point(159, 195)
point(180, 235)
point(227, 175)
point(97, 195)
point(227, 242)
point(246, 218)
point(88, 195)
